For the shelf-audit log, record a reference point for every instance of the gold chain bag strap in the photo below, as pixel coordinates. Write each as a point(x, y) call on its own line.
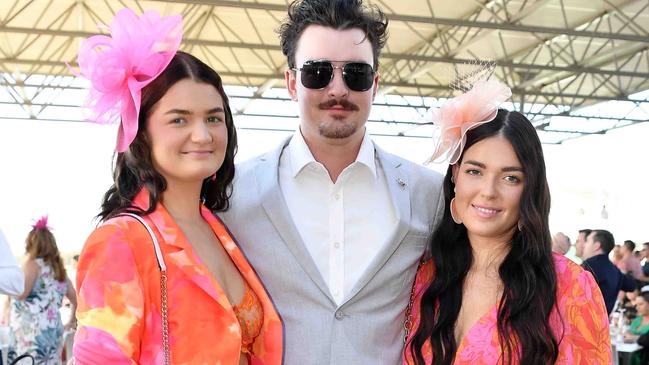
point(163, 289)
point(407, 323)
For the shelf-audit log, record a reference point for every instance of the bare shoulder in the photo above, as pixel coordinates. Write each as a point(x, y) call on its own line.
point(30, 264)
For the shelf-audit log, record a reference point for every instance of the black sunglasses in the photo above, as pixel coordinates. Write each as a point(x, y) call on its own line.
point(358, 76)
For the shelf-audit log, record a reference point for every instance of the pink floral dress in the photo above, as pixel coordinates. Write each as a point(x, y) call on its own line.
point(579, 322)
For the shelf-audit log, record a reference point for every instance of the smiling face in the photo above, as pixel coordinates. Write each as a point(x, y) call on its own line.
point(489, 182)
point(334, 113)
point(187, 132)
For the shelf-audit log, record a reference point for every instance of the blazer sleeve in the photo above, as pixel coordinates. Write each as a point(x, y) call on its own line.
point(585, 338)
point(110, 300)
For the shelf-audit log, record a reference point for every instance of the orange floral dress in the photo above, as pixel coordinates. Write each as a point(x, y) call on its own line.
point(579, 322)
point(119, 319)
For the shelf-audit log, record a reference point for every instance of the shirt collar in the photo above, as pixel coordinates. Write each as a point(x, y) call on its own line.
point(301, 156)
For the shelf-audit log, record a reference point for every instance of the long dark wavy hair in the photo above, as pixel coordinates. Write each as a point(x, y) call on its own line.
point(133, 169)
point(527, 271)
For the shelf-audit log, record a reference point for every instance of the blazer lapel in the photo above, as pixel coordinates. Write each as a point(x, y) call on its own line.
point(179, 253)
point(272, 200)
point(268, 343)
point(399, 187)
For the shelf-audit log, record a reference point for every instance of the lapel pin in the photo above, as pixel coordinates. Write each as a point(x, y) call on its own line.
point(402, 184)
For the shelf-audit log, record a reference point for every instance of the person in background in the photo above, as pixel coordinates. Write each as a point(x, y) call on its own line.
point(643, 354)
point(36, 326)
point(12, 279)
point(610, 279)
point(629, 263)
point(644, 261)
point(560, 243)
point(579, 244)
point(639, 326)
point(161, 280)
point(490, 290)
point(616, 255)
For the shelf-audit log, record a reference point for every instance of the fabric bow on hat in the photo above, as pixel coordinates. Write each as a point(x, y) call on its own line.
point(120, 66)
point(464, 112)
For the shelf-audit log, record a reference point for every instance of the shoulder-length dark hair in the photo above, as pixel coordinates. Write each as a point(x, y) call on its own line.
point(133, 169)
point(527, 271)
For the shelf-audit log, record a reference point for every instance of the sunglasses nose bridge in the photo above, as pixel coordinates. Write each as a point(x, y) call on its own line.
point(337, 83)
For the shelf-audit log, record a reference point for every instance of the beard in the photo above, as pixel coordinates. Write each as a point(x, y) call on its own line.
point(337, 129)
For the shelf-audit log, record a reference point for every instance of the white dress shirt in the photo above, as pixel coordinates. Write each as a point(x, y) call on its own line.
point(345, 224)
point(12, 279)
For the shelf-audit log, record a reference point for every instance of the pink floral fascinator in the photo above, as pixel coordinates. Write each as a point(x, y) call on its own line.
point(41, 223)
point(462, 113)
point(119, 66)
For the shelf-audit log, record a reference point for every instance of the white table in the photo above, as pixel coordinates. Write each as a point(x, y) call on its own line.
point(624, 351)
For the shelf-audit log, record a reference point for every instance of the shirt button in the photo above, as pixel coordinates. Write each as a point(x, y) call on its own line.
point(337, 196)
point(337, 244)
point(339, 315)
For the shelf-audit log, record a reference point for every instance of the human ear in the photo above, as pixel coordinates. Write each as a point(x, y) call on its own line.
point(290, 77)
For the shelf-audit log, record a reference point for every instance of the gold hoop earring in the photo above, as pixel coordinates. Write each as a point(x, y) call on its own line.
point(453, 213)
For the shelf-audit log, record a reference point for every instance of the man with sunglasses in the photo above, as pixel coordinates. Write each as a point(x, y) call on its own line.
point(333, 224)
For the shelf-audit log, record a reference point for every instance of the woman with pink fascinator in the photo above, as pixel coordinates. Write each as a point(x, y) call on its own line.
point(161, 281)
point(35, 320)
point(489, 290)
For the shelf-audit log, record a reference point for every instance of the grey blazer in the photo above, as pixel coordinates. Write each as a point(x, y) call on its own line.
point(367, 328)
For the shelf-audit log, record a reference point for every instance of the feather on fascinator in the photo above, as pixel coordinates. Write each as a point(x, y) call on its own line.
point(119, 66)
point(41, 223)
point(477, 105)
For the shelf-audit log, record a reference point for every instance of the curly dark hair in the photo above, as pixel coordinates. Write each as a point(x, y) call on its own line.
point(337, 14)
point(527, 272)
point(133, 169)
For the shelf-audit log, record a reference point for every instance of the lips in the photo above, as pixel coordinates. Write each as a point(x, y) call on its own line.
point(339, 105)
point(342, 112)
point(485, 212)
point(197, 153)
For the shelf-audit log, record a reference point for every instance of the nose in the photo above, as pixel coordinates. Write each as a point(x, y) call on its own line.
point(201, 132)
point(489, 189)
point(337, 87)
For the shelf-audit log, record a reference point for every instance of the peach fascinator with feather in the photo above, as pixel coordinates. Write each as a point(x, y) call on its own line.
point(477, 105)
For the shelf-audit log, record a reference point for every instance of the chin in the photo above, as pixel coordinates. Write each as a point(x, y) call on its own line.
point(333, 131)
point(490, 231)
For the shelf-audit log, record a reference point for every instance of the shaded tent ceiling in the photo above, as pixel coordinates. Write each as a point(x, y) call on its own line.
point(576, 67)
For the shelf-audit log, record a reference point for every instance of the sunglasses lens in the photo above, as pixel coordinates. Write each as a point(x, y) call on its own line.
point(358, 76)
point(316, 75)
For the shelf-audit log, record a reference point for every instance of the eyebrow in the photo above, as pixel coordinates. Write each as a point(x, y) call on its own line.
point(218, 109)
point(504, 169)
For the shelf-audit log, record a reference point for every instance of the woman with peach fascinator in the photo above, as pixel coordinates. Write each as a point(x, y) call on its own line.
point(489, 290)
point(161, 281)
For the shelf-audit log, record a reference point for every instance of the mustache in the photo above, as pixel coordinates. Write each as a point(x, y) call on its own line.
point(346, 104)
